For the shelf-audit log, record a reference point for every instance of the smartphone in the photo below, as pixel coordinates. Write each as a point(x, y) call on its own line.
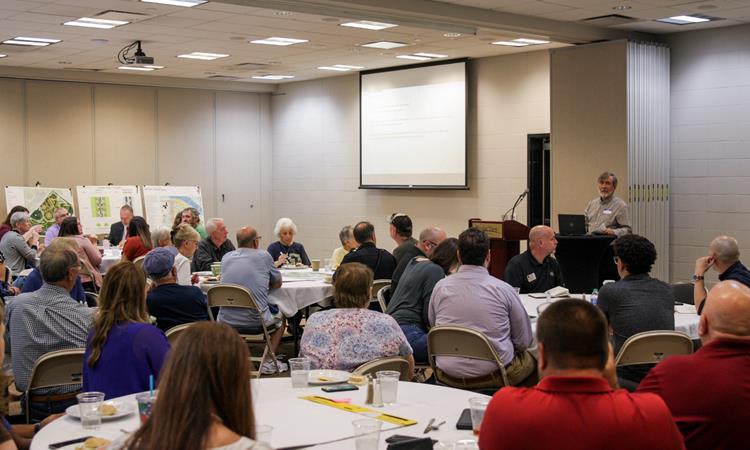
point(464, 422)
point(401, 438)
point(57, 445)
point(340, 388)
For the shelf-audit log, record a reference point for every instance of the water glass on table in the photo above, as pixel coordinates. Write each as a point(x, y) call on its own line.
point(263, 434)
point(315, 263)
point(299, 367)
point(145, 405)
point(478, 406)
point(367, 434)
point(88, 408)
point(388, 385)
point(216, 269)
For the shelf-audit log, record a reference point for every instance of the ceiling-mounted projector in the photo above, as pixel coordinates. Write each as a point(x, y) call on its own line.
point(133, 54)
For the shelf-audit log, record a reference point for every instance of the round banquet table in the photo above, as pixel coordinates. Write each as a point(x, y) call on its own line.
point(296, 421)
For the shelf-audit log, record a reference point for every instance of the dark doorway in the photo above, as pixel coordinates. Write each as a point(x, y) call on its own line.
point(538, 147)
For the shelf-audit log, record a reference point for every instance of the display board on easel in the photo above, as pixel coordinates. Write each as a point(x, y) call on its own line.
point(162, 203)
point(40, 201)
point(99, 206)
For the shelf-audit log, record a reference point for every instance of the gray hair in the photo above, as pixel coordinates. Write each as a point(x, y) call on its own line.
point(346, 234)
point(605, 176)
point(159, 234)
point(59, 212)
point(283, 224)
point(184, 233)
point(726, 248)
point(213, 224)
point(56, 261)
point(194, 212)
point(18, 217)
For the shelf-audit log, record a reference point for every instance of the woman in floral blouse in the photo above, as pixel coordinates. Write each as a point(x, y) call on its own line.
point(350, 335)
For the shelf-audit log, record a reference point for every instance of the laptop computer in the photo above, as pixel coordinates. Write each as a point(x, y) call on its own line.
point(572, 224)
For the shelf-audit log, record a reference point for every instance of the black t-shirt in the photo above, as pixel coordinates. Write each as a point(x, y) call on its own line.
point(380, 261)
point(525, 272)
point(408, 255)
point(174, 304)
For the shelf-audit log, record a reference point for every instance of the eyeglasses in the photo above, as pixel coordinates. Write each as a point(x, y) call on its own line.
point(432, 244)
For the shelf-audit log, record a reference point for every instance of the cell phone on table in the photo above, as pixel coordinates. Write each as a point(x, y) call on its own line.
point(464, 422)
point(57, 445)
point(340, 388)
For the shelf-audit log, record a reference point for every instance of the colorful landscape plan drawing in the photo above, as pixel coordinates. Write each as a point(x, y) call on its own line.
point(99, 206)
point(162, 203)
point(40, 201)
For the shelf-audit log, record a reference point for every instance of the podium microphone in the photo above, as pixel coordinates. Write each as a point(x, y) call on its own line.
point(512, 210)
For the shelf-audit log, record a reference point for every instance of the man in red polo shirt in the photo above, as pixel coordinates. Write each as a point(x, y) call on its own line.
point(708, 392)
point(574, 405)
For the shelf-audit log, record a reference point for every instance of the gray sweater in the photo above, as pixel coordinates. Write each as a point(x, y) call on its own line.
point(410, 302)
point(17, 252)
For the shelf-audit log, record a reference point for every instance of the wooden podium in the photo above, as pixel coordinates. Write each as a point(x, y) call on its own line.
point(505, 237)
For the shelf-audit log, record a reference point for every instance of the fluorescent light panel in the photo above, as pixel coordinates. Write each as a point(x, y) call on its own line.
point(684, 20)
point(3, 56)
point(278, 41)
point(90, 22)
point(414, 57)
point(368, 25)
point(338, 69)
point(203, 56)
point(148, 68)
point(385, 45)
point(272, 77)
point(184, 3)
point(31, 41)
point(510, 43)
point(345, 66)
point(430, 55)
point(530, 41)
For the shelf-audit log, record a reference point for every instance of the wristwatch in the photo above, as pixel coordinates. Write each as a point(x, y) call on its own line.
point(698, 278)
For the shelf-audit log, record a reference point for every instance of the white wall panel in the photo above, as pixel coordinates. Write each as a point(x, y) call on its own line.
point(12, 136)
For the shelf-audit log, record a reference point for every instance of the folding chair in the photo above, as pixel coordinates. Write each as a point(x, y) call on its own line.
point(236, 296)
point(683, 292)
point(396, 363)
point(55, 369)
point(377, 286)
point(449, 340)
point(382, 293)
point(85, 271)
point(139, 262)
point(651, 347)
point(175, 332)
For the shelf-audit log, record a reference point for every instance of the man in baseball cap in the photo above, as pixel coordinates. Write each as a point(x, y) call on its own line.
point(401, 229)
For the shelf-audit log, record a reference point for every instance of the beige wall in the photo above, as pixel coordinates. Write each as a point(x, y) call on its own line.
point(316, 154)
point(589, 126)
point(64, 134)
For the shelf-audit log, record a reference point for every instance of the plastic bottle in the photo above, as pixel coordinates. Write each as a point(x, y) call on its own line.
point(594, 296)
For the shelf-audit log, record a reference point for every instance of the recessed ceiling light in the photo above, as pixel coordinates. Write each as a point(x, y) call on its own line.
point(148, 68)
point(530, 41)
point(278, 41)
point(3, 56)
point(368, 25)
point(96, 23)
point(185, 3)
point(452, 35)
point(339, 69)
point(31, 41)
point(203, 56)
point(686, 20)
point(430, 55)
point(417, 58)
point(386, 45)
point(272, 77)
point(510, 43)
point(346, 66)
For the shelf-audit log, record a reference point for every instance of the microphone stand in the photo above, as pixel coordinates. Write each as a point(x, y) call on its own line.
point(512, 210)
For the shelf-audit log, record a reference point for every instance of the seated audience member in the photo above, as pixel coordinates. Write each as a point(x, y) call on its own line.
point(88, 254)
point(192, 217)
point(380, 261)
point(6, 290)
point(212, 249)
point(186, 242)
point(254, 269)
point(429, 238)
point(350, 335)
point(473, 298)
point(123, 349)
point(208, 369)
point(285, 251)
point(5, 226)
point(574, 405)
point(536, 270)
point(118, 232)
point(724, 257)
point(161, 237)
point(47, 320)
point(347, 244)
point(172, 304)
point(34, 281)
point(138, 242)
point(19, 251)
point(400, 231)
point(410, 303)
point(708, 392)
point(637, 302)
point(54, 230)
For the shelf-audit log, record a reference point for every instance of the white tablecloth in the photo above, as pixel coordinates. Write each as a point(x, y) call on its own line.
point(296, 421)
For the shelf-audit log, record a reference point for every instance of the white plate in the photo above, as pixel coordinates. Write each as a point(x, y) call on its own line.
point(206, 273)
point(321, 377)
point(294, 267)
point(123, 409)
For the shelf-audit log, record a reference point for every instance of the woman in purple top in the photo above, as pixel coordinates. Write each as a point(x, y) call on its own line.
point(286, 252)
point(123, 350)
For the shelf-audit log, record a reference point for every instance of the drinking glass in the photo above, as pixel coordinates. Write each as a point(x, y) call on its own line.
point(388, 385)
point(263, 434)
point(478, 406)
point(299, 368)
point(367, 433)
point(315, 263)
point(88, 407)
point(145, 405)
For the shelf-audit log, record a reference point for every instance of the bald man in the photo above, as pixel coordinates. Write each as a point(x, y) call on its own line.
point(724, 257)
point(536, 270)
point(708, 392)
point(429, 238)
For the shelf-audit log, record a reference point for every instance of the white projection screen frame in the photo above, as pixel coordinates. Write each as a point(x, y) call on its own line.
point(413, 127)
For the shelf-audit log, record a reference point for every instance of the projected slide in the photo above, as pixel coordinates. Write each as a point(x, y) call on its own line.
point(414, 127)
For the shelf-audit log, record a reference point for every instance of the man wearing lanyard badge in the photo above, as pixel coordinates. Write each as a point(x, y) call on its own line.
point(607, 214)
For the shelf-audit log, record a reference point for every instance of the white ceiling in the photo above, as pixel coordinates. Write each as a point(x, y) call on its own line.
point(226, 26)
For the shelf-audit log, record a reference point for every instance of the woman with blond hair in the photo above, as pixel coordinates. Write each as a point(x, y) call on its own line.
point(185, 240)
point(123, 349)
point(204, 399)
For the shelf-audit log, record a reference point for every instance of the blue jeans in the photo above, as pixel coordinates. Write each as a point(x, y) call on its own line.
point(417, 338)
